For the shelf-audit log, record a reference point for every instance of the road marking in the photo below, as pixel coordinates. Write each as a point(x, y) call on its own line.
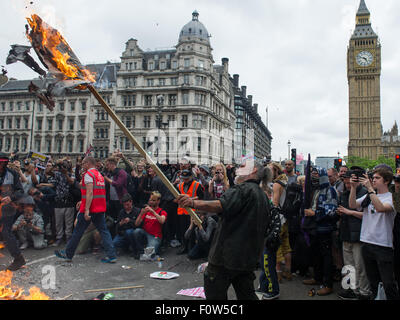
point(40, 260)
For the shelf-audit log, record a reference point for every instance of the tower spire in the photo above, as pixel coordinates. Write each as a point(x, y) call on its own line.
point(363, 10)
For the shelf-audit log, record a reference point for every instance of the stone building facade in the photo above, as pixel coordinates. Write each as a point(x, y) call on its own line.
point(177, 96)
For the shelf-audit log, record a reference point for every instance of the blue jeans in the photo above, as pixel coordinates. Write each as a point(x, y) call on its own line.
point(99, 222)
point(144, 239)
point(269, 278)
point(126, 240)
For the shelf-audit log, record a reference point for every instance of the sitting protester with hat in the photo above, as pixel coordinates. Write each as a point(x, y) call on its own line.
point(29, 226)
point(126, 226)
point(194, 190)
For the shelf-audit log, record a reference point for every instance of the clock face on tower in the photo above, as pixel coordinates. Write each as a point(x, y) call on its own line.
point(364, 58)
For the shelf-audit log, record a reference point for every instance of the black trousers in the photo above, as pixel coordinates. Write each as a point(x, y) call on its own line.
point(8, 236)
point(183, 223)
point(321, 249)
point(396, 243)
point(217, 281)
point(379, 267)
point(170, 225)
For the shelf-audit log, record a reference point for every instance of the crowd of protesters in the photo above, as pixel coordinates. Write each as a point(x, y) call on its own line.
point(318, 224)
point(140, 211)
point(344, 228)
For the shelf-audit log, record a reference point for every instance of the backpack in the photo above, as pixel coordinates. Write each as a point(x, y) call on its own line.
point(293, 200)
point(130, 186)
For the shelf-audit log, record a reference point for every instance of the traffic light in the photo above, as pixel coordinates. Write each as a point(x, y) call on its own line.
point(294, 155)
point(338, 164)
point(397, 161)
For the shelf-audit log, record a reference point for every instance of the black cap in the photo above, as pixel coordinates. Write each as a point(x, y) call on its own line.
point(356, 168)
point(126, 197)
point(205, 168)
point(186, 173)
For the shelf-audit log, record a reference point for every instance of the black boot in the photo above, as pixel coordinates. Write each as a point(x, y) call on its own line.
point(17, 263)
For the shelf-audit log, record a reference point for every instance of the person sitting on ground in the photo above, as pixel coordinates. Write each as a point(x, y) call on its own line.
point(150, 221)
point(199, 238)
point(126, 226)
point(29, 226)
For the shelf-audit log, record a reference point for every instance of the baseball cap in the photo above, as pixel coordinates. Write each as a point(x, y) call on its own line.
point(205, 168)
point(186, 173)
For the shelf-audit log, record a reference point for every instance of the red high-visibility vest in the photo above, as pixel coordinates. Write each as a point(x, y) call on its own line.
point(192, 192)
point(98, 204)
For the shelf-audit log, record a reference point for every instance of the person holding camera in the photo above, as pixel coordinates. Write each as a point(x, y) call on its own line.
point(44, 200)
point(10, 191)
point(219, 183)
point(29, 178)
point(64, 204)
point(377, 229)
point(126, 226)
point(29, 226)
point(349, 234)
point(149, 223)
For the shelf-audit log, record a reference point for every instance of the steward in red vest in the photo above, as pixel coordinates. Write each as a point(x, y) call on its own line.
point(98, 204)
point(193, 189)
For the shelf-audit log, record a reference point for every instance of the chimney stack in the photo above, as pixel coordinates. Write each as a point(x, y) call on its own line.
point(244, 89)
point(225, 63)
point(250, 98)
point(236, 80)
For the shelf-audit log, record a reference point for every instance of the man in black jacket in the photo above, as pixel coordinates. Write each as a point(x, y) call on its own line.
point(10, 191)
point(126, 225)
point(238, 241)
point(349, 233)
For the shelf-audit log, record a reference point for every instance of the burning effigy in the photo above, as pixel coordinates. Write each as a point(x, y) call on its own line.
point(65, 71)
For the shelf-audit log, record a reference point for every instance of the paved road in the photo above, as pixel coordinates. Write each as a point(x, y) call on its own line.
point(59, 279)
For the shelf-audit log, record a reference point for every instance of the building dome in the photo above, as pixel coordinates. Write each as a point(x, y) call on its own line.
point(194, 29)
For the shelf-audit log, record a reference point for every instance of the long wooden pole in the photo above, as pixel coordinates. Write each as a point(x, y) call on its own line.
point(113, 289)
point(129, 135)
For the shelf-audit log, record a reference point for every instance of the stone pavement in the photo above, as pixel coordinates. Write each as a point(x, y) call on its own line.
point(59, 279)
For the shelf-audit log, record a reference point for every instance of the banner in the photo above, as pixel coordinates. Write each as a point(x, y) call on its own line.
point(39, 159)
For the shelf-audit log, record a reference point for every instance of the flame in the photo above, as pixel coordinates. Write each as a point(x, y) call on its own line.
point(48, 42)
point(10, 292)
point(2, 246)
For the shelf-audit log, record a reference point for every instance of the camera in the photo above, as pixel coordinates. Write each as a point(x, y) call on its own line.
point(357, 173)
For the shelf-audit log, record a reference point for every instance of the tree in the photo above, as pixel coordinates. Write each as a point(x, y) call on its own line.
point(369, 164)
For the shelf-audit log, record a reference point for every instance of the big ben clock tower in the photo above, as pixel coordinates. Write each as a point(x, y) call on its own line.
point(364, 72)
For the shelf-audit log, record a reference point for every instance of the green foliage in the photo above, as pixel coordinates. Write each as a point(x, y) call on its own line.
point(369, 164)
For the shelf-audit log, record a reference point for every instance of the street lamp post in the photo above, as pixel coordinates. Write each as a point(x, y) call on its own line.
point(160, 105)
point(289, 144)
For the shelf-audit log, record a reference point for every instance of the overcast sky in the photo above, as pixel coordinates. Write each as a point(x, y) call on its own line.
point(291, 54)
